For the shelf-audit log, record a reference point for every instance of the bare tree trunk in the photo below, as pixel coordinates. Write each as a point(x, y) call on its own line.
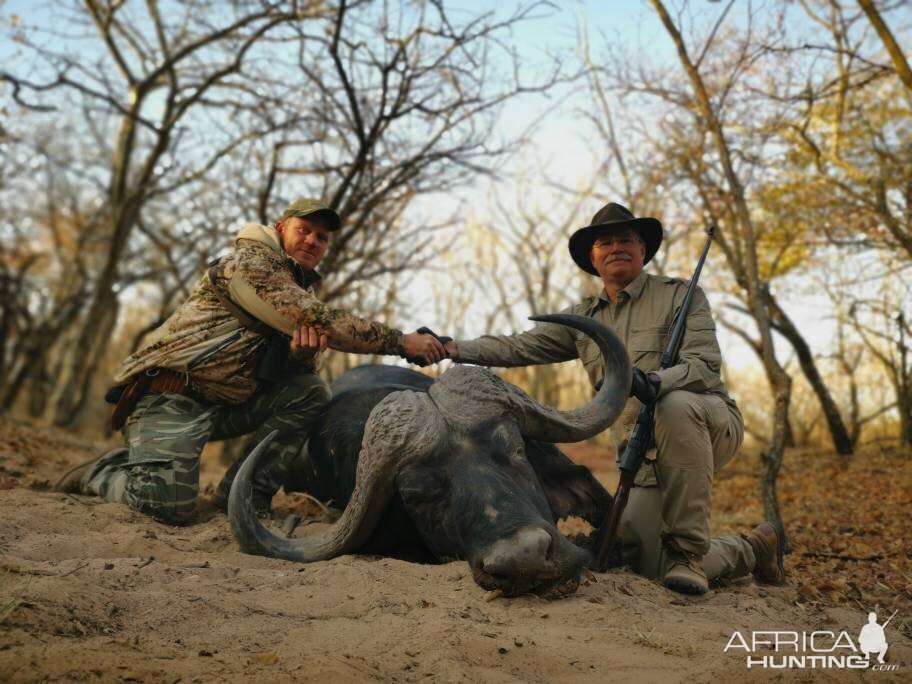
point(87, 354)
point(904, 386)
point(905, 420)
point(124, 207)
point(40, 387)
point(848, 367)
point(782, 383)
point(31, 358)
point(757, 349)
point(895, 51)
point(783, 324)
point(17, 380)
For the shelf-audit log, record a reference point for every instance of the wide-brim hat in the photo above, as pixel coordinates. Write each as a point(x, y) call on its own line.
point(610, 217)
point(304, 208)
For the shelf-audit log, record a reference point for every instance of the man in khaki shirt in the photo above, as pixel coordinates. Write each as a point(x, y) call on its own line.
point(698, 427)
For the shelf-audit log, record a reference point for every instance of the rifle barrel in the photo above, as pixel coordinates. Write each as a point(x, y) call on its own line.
point(670, 355)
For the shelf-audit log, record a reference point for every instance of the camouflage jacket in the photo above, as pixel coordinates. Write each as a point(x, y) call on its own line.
point(218, 354)
point(642, 318)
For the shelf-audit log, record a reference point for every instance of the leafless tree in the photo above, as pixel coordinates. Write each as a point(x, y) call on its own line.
point(886, 333)
point(204, 116)
point(739, 242)
point(900, 63)
point(144, 76)
point(849, 126)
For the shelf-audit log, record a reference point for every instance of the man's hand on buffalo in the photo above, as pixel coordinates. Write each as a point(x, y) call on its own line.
point(307, 342)
point(645, 386)
point(422, 349)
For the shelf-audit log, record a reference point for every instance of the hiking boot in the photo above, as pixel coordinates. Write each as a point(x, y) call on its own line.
point(684, 571)
point(767, 546)
point(75, 479)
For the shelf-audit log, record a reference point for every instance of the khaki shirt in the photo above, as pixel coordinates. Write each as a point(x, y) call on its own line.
point(219, 355)
point(642, 318)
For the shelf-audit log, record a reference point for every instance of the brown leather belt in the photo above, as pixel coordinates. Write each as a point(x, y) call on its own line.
point(165, 380)
point(152, 381)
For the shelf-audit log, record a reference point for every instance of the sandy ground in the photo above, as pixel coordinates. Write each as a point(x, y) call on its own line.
point(90, 591)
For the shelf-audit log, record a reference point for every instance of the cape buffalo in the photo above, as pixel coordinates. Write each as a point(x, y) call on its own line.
point(458, 468)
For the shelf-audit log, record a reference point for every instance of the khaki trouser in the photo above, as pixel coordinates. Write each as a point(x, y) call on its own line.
point(158, 473)
point(696, 435)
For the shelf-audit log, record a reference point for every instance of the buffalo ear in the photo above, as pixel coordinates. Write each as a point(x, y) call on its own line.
point(570, 488)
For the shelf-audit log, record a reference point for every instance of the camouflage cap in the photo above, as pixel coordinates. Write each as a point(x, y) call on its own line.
point(304, 207)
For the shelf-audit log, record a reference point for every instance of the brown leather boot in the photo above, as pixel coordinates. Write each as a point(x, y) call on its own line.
point(767, 546)
point(684, 571)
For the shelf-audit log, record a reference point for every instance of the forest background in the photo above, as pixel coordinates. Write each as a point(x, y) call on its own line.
point(462, 142)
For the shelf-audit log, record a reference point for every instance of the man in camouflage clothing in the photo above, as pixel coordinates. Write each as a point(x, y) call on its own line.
point(239, 355)
point(698, 427)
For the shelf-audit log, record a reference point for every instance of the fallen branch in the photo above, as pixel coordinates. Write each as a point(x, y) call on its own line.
point(840, 556)
point(18, 570)
point(78, 567)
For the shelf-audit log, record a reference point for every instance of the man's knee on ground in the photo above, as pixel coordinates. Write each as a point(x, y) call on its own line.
point(165, 492)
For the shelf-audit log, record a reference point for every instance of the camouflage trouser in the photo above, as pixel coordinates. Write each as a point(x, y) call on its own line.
point(158, 473)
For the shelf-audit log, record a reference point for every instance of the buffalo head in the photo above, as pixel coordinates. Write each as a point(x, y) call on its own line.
point(470, 459)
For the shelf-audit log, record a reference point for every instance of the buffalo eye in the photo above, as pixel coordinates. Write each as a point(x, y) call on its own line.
point(422, 487)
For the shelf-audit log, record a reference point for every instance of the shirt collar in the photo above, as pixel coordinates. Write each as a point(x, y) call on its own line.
point(304, 277)
point(633, 290)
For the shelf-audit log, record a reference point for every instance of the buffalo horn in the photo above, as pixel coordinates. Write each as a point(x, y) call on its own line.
point(550, 425)
point(372, 491)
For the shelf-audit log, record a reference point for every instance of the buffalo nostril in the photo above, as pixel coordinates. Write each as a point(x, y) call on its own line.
point(540, 544)
point(549, 552)
point(525, 552)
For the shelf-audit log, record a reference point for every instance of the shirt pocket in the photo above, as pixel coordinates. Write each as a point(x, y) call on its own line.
point(645, 346)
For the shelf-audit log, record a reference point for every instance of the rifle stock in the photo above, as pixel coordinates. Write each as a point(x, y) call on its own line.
point(641, 435)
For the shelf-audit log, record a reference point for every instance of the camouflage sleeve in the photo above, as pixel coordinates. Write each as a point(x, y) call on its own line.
point(544, 343)
point(699, 359)
point(273, 296)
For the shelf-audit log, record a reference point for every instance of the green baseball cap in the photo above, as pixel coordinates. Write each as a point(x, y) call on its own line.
point(303, 207)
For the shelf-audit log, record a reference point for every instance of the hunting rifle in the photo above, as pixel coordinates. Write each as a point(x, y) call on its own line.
point(641, 435)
